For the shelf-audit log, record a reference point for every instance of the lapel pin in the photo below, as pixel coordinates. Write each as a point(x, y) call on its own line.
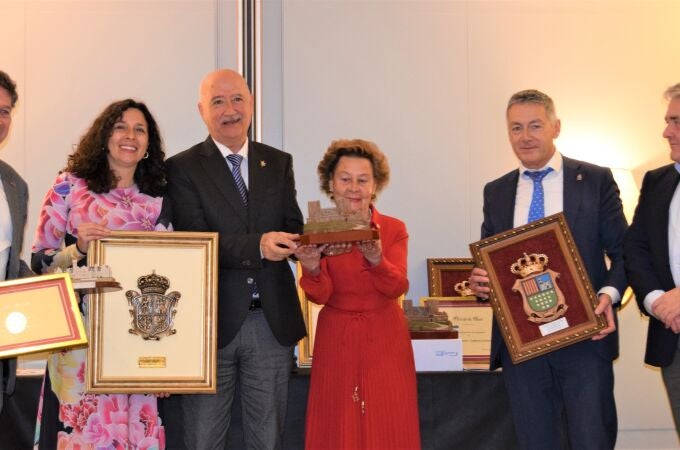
point(579, 177)
point(263, 163)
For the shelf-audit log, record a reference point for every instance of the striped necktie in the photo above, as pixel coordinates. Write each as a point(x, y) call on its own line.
point(235, 161)
point(537, 208)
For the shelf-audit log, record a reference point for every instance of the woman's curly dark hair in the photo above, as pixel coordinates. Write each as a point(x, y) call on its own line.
point(357, 148)
point(90, 160)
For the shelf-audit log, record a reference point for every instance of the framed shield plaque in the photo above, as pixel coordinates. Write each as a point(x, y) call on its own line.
point(443, 274)
point(540, 292)
point(157, 333)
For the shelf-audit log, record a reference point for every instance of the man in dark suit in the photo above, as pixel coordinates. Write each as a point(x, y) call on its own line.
point(245, 191)
point(575, 382)
point(13, 205)
point(652, 250)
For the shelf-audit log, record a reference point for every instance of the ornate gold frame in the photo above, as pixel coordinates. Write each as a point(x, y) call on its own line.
point(488, 253)
point(438, 267)
point(121, 362)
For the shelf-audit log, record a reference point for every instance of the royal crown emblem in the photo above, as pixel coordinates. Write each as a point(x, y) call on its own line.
point(152, 311)
point(542, 298)
point(463, 289)
point(529, 264)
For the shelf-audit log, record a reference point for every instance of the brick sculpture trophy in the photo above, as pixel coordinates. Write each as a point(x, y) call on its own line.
point(336, 225)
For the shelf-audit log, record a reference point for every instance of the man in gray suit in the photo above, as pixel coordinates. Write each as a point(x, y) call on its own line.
point(245, 191)
point(13, 202)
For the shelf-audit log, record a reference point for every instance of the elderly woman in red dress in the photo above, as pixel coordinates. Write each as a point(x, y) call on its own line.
point(363, 391)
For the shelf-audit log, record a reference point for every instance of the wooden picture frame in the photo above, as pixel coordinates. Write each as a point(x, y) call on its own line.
point(120, 361)
point(444, 273)
point(39, 314)
point(474, 321)
point(540, 292)
point(310, 313)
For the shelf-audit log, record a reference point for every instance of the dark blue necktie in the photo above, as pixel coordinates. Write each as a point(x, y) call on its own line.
point(235, 161)
point(537, 208)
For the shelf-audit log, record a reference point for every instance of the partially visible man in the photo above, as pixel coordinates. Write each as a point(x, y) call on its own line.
point(13, 209)
point(652, 251)
point(576, 382)
point(245, 191)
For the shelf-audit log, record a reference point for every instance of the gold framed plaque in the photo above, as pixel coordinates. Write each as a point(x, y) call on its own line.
point(444, 273)
point(39, 314)
point(474, 321)
point(310, 313)
point(157, 333)
point(540, 292)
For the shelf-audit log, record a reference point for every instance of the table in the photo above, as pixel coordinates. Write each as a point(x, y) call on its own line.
point(461, 410)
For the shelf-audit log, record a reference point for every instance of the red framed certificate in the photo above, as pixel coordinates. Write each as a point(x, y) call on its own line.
point(39, 314)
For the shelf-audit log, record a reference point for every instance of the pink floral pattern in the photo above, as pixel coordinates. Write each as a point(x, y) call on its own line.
point(69, 202)
point(104, 421)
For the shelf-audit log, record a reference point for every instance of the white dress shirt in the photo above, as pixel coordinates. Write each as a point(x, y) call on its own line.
point(673, 246)
point(553, 186)
point(244, 166)
point(553, 194)
point(243, 152)
point(5, 232)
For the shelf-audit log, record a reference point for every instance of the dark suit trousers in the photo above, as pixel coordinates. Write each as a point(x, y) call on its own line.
point(262, 366)
point(671, 379)
point(574, 383)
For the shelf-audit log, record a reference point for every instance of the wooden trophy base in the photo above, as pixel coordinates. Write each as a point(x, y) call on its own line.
point(92, 286)
point(336, 237)
point(434, 334)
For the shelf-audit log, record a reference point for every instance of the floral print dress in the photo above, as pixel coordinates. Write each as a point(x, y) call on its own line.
point(67, 417)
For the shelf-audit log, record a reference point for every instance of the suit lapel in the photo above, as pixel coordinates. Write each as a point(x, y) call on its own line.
point(15, 206)
point(664, 195)
point(573, 185)
point(217, 170)
point(508, 195)
point(257, 174)
point(16, 213)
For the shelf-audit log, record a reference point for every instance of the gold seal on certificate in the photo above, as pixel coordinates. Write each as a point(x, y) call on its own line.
point(152, 311)
point(337, 224)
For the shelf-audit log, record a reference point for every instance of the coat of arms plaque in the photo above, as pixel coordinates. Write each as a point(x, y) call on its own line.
point(152, 311)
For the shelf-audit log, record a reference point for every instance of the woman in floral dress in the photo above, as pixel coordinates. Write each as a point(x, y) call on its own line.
point(114, 181)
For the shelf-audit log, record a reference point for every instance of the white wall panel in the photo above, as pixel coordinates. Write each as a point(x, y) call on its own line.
point(394, 73)
point(13, 61)
point(72, 58)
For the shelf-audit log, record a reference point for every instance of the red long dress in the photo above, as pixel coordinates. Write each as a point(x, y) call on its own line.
point(363, 392)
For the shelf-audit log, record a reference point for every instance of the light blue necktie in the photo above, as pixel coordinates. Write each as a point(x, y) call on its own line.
point(235, 161)
point(537, 208)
